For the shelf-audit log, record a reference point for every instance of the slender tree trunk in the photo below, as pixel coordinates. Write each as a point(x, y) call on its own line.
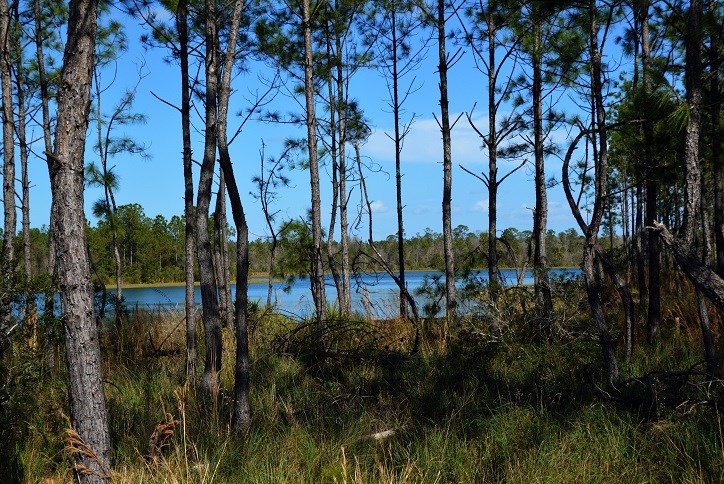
point(382, 260)
point(693, 71)
point(318, 290)
point(189, 216)
point(10, 228)
point(209, 300)
point(450, 295)
point(85, 380)
point(704, 320)
point(342, 109)
point(493, 271)
point(654, 250)
point(241, 415)
point(716, 145)
point(23, 144)
point(601, 187)
point(333, 148)
point(540, 216)
point(398, 162)
point(109, 200)
point(49, 306)
point(223, 276)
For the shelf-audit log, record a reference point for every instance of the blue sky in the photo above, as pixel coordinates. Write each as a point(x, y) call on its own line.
point(157, 184)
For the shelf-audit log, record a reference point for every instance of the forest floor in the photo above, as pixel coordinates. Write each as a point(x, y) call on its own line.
point(468, 407)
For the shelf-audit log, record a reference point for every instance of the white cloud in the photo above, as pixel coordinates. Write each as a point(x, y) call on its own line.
point(378, 206)
point(423, 144)
point(480, 206)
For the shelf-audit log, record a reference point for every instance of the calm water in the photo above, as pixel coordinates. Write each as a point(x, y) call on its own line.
point(373, 293)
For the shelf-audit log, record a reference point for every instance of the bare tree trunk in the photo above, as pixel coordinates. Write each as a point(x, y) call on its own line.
point(50, 344)
point(398, 161)
point(654, 250)
point(241, 415)
point(601, 187)
point(223, 277)
point(318, 289)
point(189, 304)
point(10, 228)
point(450, 295)
point(493, 271)
point(109, 201)
point(22, 141)
point(209, 301)
point(382, 261)
point(693, 72)
point(540, 216)
point(334, 154)
point(85, 380)
point(716, 148)
point(345, 301)
point(704, 320)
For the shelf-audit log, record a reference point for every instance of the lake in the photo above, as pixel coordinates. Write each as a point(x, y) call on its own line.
point(375, 294)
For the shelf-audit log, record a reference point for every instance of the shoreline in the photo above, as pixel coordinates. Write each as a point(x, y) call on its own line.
point(258, 278)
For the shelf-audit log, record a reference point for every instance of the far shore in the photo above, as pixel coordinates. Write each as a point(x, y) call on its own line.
point(261, 278)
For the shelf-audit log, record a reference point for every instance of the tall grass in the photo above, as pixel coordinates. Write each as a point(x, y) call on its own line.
point(502, 409)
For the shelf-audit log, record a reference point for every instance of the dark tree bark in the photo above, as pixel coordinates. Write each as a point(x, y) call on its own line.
point(221, 263)
point(241, 414)
point(396, 105)
point(653, 324)
point(334, 155)
point(317, 276)
point(50, 345)
point(688, 259)
point(85, 380)
point(23, 145)
point(540, 215)
point(693, 81)
point(445, 129)
point(189, 304)
point(592, 250)
point(716, 148)
point(343, 110)
point(209, 301)
point(10, 226)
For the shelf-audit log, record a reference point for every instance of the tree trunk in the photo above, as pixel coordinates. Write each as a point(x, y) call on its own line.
point(210, 304)
point(693, 81)
point(450, 295)
point(50, 343)
point(398, 161)
point(8, 133)
point(109, 201)
point(334, 155)
point(318, 290)
point(653, 324)
point(686, 256)
point(85, 380)
point(223, 276)
point(493, 271)
point(540, 216)
point(189, 304)
point(25, 181)
point(716, 151)
point(593, 289)
point(345, 301)
point(241, 415)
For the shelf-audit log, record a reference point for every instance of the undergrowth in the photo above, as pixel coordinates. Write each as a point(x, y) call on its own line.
point(498, 407)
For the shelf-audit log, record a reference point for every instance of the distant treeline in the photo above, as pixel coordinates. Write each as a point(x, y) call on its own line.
point(152, 248)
